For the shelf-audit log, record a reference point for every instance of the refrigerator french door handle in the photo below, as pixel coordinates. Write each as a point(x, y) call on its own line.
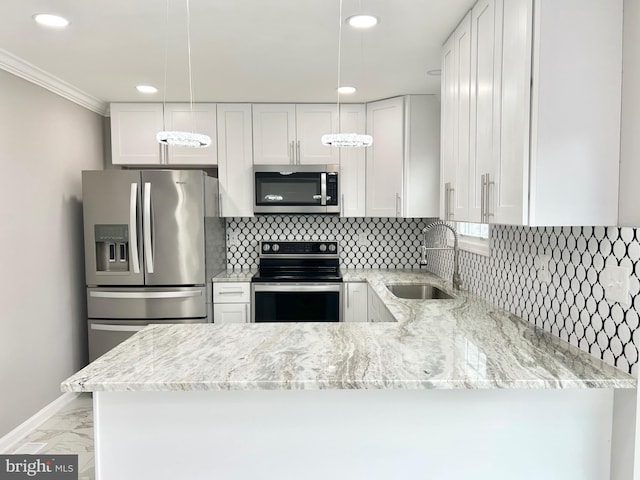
point(146, 223)
point(117, 328)
point(133, 227)
point(145, 295)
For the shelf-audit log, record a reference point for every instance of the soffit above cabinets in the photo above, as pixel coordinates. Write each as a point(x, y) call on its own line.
point(242, 51)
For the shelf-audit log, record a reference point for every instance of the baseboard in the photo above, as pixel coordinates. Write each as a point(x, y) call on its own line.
point(32, 423)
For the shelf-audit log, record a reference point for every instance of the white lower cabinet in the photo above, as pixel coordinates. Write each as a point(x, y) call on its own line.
point(376, 309)
point(231, 313)
point(355, 302)
point(231, 302)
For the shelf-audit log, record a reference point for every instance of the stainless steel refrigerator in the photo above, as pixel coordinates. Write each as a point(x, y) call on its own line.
point(153, 240)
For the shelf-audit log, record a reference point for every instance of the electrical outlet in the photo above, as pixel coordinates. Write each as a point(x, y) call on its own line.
point(541, 264)
point(232, 239)
point(615, 281)
point(362, 240)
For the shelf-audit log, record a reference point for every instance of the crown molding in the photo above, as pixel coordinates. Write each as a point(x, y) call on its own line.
point(33, 74)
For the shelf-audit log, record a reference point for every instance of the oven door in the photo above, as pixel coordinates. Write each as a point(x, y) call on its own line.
point(296, 302)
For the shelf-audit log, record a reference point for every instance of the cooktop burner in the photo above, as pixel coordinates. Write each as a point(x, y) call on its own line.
point(289, 261)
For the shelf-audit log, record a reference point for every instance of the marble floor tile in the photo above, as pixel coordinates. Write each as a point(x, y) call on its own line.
point(69, 431)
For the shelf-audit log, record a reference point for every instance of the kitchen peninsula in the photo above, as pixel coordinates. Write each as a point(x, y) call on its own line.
point(455, 389)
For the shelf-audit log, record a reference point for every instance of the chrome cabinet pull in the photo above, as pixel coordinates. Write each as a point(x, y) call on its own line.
point(246, 308)
point(342, 207)
point(292, 156)
point(451, 202)
point(398, 205)
point(299, 157)
point(487, 192)
point(348, 295)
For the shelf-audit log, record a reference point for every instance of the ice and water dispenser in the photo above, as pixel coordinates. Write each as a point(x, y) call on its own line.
point(112, 248)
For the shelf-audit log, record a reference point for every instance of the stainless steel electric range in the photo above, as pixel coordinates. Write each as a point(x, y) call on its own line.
point(297, 282)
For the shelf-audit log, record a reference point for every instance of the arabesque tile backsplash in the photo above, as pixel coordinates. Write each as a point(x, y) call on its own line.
point(572, 306)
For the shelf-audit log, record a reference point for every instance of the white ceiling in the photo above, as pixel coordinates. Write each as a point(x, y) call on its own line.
point(242, 50)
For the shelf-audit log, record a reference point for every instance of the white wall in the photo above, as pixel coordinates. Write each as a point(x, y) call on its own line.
point(629, 206)
point(45, 142)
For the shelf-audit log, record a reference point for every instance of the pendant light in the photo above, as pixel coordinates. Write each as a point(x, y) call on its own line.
point(181, 138)
point(344, 139)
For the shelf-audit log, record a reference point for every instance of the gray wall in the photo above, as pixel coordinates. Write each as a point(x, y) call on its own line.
point(45, 142)
point(629, 207)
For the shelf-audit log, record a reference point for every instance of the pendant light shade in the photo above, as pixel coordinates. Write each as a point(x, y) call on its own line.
point(347, 140)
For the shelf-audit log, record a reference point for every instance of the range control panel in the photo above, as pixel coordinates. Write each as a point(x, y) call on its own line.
point(298, 248)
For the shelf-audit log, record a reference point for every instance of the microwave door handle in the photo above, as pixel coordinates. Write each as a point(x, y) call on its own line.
point(147, 227)
point(133, 227)
point(323, 188)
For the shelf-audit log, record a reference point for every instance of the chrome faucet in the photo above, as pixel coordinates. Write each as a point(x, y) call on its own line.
point(457, 283)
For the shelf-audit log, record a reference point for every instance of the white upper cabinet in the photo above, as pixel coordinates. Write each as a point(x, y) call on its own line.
point(353, 163)
point(403, 162)
point(312, 122)
point(235, 160)
point(291, 134)
point(202, 119)
point(134, 127)
point(274, 133)
point(544, 131)
point(456, 116)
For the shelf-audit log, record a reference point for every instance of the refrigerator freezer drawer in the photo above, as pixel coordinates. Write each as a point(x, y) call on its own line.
point(147, 303)
point(106, 334)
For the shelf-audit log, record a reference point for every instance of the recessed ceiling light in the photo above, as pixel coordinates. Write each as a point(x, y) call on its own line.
point(49, 20)
point(362, 21)
point(434, 72)
point(146, 89)
point(347, 90)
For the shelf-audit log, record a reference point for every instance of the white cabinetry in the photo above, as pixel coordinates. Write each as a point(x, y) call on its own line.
point(544, 111)
point(355, 301)
point(134, 127)
point(376, 310)
point(231, 302)
point(235, 160)
point(403, 162)
point(288, 133)
point(353, 163)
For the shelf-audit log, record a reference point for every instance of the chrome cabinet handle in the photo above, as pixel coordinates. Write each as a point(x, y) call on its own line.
point(348, 295)
point(447, 188)
point(292, 155)
point(299, 157)
point(398, 205)
point(246, 308)
point(133, 227)
point(482, 198)
point(487, 192)
point(342, 207)
point(147, 227)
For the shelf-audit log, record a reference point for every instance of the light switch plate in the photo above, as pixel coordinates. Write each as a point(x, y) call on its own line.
point(541, 264)
point(363, 239)
point(615, 281)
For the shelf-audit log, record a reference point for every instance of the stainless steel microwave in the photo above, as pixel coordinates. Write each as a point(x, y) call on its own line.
point(296, 189)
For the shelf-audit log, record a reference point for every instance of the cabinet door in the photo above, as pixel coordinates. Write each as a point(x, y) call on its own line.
point(235, 160)
point(385, 122)
point(134, 127)
point(373, 306)
point(312, 122)
point(180, 117)
point(231, 313)
point(355, 305)
point(484, 105)
point(462, 52)
point(353, 163)
point(274, 133)
point(449, 123)
point(512, 176)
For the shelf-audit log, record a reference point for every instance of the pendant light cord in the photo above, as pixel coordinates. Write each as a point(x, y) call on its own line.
point(193, 123)
point(339, 63)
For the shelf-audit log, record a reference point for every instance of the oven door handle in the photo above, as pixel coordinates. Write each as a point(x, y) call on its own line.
point(291, 287)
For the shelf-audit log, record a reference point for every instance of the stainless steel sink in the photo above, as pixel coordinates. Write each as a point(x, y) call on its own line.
point(418, 291)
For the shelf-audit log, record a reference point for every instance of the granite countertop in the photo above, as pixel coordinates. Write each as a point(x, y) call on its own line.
point(235, 276)
point(464, 343)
